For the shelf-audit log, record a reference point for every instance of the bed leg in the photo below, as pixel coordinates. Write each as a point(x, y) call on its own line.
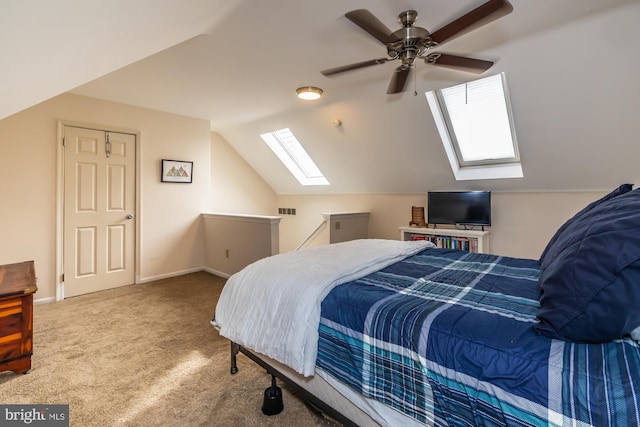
point(235, 348)
point(272, 402)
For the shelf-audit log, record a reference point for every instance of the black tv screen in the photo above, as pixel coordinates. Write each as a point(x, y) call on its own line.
point(459, 207)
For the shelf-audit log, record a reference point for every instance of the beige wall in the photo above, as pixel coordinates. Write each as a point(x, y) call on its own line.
point(235, 186)
point(387, 213)
point(171, 238)
point(171, 232)
point(522, 223)
point(233, 241)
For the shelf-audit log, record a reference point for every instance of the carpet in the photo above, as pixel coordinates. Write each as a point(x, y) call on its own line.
point(146, 355)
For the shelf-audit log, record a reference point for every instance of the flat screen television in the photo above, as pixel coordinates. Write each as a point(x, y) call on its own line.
point(459, 207)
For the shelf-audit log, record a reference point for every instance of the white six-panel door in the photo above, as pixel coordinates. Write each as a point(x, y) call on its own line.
point(99, 210)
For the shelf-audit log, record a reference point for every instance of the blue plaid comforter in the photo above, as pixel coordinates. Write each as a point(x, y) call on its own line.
point(446, 337)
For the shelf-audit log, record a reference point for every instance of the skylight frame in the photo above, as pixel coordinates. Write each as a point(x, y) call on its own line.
point(495, 168)
point(292, 154)
point(453, 134)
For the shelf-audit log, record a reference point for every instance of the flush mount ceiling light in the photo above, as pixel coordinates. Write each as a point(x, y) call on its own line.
point(309, 93)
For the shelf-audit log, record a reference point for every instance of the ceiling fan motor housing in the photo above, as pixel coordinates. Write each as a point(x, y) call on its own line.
point(412, 42)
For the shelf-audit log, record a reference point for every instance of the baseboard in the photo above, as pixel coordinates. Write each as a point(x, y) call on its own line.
point(166, 276)
point(153, 278)
point(216, 272)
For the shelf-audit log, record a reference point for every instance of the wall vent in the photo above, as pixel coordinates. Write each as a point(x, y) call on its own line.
point(286, 211)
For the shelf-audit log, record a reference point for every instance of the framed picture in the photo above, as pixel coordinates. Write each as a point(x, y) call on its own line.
point(176, 171)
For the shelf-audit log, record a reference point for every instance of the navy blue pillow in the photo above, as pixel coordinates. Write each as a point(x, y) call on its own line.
point(550, 251)
point(590, 289)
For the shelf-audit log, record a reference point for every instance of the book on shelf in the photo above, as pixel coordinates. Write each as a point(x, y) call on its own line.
point(447, 242)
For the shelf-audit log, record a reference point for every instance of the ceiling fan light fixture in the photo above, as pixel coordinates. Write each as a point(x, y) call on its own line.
point(309, 93)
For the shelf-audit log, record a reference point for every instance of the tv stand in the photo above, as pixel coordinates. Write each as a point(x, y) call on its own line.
point(469, 240)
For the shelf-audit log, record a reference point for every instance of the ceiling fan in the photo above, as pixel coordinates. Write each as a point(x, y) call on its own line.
point(410, 42)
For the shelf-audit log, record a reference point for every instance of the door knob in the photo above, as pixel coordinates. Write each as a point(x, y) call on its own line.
point(129, 216)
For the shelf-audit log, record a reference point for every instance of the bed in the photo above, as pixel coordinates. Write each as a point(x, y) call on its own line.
point(402, 333)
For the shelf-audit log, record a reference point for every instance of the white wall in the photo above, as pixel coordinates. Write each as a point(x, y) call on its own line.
point(171, 237)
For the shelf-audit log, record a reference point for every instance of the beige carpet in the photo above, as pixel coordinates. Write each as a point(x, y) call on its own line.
point(145, 355)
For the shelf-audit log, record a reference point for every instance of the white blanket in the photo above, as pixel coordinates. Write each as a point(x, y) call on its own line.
point(273, 305)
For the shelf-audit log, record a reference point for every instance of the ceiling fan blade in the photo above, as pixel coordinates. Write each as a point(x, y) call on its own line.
point(398, 79)
point(355, 66)
point(461, 63)
point(372, 25)
point(482, 15)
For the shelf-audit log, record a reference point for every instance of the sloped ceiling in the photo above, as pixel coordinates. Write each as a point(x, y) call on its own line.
point(50, 47)
point(571, 68)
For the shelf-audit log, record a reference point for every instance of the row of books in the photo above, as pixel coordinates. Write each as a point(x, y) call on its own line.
point(447, 242)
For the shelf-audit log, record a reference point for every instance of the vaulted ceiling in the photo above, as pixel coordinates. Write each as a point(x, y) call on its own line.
point(571, 68)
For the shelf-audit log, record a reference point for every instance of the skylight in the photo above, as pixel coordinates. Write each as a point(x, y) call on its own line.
point(476, 127)
point(286, 146)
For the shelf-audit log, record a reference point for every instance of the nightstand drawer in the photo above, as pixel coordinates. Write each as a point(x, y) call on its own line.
point(10, 324)
point(10, 306)
point(11, 349)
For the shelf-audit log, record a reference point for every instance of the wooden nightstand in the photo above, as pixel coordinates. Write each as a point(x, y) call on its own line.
point(17, 286)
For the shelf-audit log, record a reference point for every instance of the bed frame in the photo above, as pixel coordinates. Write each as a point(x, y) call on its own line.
point(316, 404)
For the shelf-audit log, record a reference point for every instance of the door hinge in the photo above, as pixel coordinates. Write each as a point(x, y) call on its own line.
point(107, 144)
point(64, 141)
point(62, 277)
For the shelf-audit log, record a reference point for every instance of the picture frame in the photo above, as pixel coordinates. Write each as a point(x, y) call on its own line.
point(176, 171)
